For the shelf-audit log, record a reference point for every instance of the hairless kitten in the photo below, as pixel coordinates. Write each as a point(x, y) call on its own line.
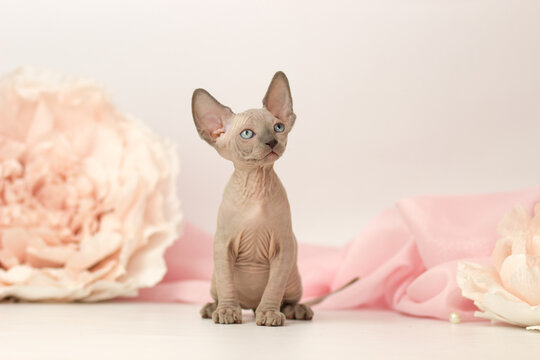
point(255, 249)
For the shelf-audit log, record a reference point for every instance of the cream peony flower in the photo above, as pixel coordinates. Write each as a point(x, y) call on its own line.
point(510, 291)
point(88, 200)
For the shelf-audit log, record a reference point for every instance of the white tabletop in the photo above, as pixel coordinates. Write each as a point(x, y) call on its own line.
point(175, 331)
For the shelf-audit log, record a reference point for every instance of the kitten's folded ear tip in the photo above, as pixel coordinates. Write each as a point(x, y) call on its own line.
point(196, 93)
point(280, 73)
point(199, 91)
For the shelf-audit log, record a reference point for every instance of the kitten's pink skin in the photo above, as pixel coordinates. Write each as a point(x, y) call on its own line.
point(255, 249)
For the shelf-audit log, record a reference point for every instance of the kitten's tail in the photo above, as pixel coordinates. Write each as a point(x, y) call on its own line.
point(320, 299)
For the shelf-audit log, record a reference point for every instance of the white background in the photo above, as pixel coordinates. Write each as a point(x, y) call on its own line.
point(394, 98)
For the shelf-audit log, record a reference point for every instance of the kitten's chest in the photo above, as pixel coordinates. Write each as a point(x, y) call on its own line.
point(254, 247)
point(255, 226)
point(257, 236)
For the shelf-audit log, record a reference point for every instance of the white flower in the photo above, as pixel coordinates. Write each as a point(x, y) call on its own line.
point(510, 291)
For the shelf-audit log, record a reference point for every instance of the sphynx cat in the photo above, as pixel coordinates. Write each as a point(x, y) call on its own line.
point(255, 249)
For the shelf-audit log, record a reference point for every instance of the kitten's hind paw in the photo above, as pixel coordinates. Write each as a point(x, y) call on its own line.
point(207, 310)
point(297, 311)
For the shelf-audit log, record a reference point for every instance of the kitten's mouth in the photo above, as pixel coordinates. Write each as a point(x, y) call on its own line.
point(271, 154)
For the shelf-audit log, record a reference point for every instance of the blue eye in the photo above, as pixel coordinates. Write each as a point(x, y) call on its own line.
point(279, 127)
point(247, 134)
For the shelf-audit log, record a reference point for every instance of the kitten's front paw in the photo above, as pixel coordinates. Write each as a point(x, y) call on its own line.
point(269, 317)
point(227, 314)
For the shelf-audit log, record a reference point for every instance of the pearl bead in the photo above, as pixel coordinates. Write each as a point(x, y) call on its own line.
point(454, 318)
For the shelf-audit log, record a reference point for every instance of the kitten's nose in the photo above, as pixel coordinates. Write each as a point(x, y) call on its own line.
point(272, 143)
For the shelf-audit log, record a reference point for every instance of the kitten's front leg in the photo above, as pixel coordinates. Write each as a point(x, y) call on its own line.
point(268, 312)
point(228, 310)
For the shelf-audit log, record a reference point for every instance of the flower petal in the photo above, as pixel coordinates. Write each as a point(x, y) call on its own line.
point(521, 277)
point(93, 249)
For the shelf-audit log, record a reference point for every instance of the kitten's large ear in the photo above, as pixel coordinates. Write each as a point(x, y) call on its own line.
point(278, 99)
point(211, 118)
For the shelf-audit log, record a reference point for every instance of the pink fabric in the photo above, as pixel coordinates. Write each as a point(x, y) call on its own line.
point(406, 258)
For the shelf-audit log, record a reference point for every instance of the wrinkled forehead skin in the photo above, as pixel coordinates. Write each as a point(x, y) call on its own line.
point(257, 120)
point(261, 121)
